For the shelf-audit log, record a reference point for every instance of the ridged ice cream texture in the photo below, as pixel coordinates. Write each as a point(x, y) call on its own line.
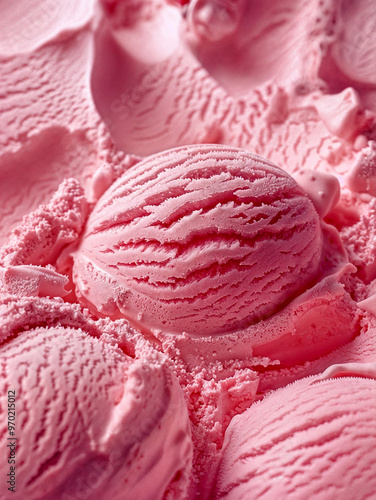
point(315, 438)
point(202, 239)
point(91, 422)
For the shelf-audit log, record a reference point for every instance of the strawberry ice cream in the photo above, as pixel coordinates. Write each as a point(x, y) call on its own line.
point(90, 420)
point(187, 249)
point(314, 438)
point(208, 240)
point(203, 240)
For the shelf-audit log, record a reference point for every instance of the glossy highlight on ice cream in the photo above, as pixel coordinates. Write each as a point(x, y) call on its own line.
point(203, 239)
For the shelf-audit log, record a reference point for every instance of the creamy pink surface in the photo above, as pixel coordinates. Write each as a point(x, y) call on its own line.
point(90, 419)
point(207, 240)
point(314, 438)
point(88, 91)
point(261, 77)
point(49, 128)
point(203, 240)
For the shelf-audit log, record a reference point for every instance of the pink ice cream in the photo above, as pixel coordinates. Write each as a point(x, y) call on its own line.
point(48, 121)
point(263, 77)
point(187, 229)
point(312, 439)
point(203, 240)
point(91, 422)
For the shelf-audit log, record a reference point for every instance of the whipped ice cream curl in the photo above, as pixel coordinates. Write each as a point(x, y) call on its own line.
point(202, 239)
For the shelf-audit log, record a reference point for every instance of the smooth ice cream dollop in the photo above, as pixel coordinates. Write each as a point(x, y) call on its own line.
point(201, 239)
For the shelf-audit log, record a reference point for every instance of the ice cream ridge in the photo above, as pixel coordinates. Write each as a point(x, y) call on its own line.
point(209, 240)
point(201, 240)
point(307, 439)
point(91, 420)
point(188, 250)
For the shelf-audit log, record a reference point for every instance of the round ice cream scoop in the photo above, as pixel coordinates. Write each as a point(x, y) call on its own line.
point(201, 239)
point(90, 422)
point(312, 439)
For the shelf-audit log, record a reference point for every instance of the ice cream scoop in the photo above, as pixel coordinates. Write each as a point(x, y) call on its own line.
point(315, 438)
point(90, 421)
point(202, 239)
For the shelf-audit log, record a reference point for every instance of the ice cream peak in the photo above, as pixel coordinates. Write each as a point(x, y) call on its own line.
point(201, 239)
